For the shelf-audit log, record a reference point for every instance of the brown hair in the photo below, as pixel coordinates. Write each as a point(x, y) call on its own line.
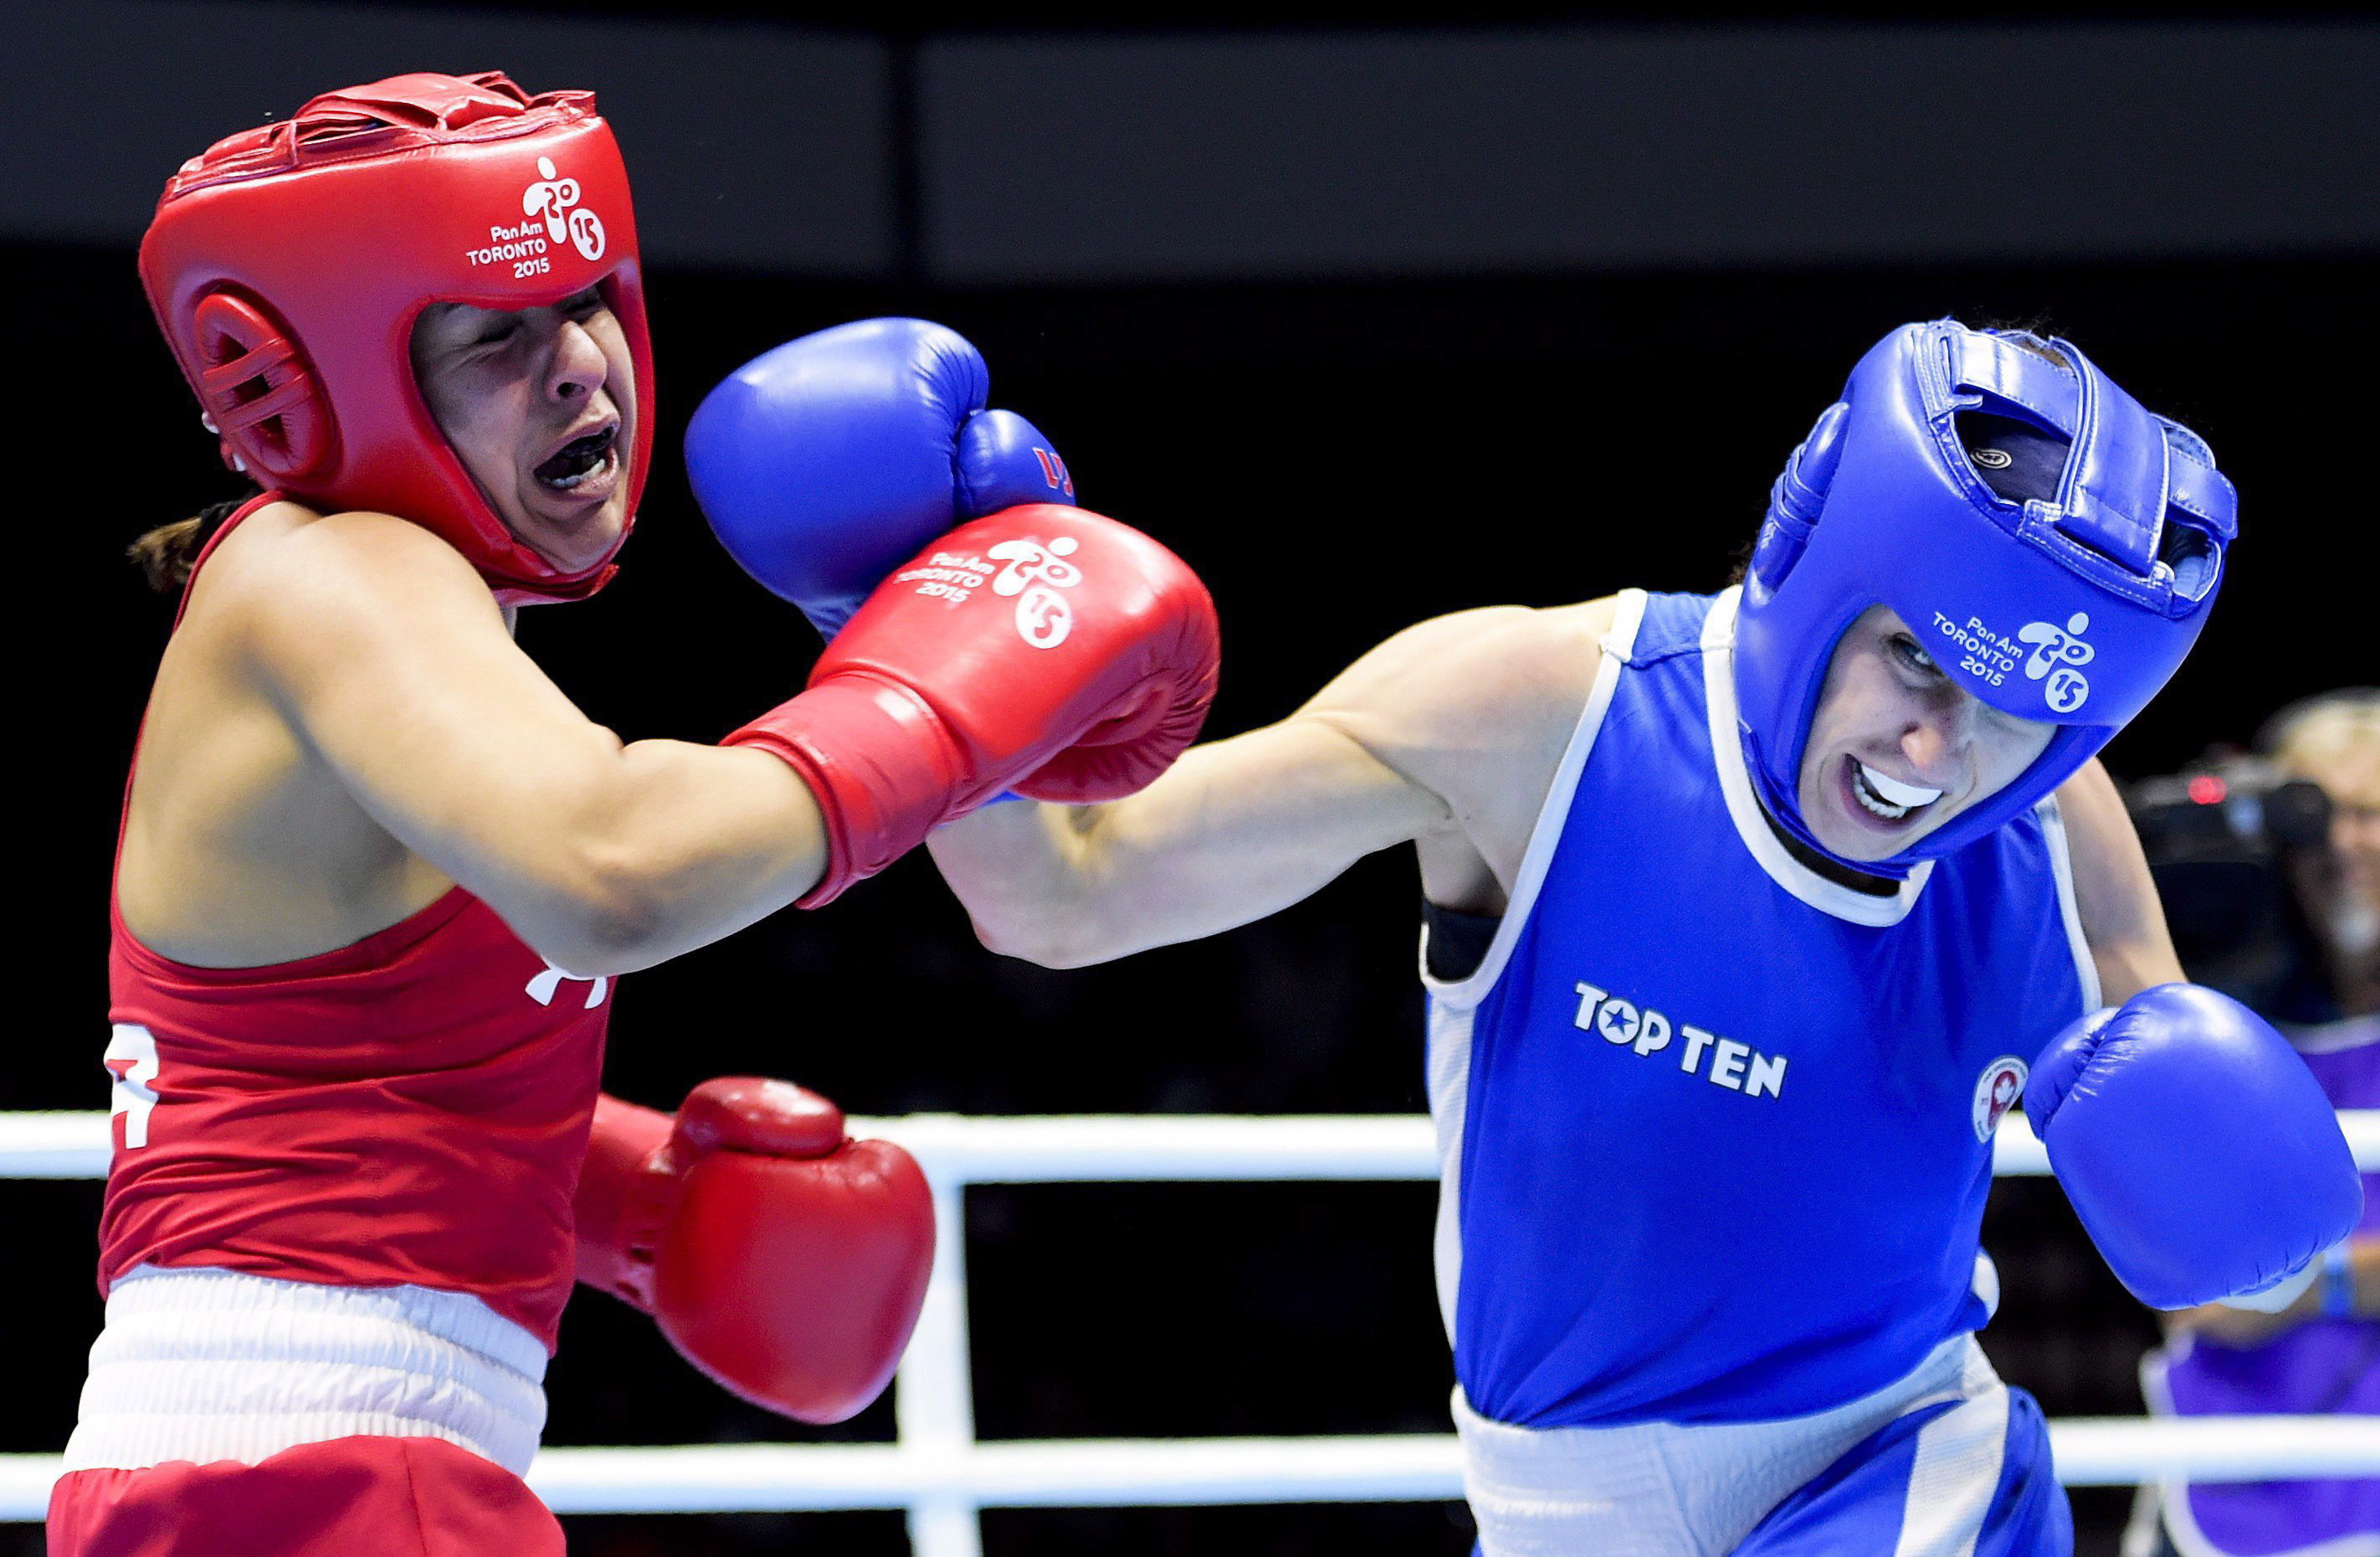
point(168, 554)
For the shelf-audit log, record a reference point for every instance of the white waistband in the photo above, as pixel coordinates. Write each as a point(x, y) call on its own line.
point(206, 1365)
point(1668, 1489)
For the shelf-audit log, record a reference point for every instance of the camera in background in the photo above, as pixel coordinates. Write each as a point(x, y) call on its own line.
point(2221, 838)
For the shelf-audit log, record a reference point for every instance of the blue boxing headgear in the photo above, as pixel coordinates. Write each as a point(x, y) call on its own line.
point(2071, 607)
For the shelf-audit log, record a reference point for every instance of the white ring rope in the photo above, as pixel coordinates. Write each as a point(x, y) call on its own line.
point(1172, 1473)
point(942, 1475)
point(1094, 1148)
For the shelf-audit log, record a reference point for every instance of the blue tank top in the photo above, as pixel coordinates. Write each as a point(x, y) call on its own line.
point(1715, 1130)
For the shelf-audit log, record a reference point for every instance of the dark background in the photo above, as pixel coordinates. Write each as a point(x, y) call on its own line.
point(1342, 448)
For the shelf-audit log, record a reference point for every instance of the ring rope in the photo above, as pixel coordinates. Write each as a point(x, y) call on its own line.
point(940, 1472)
point(1095, 1148)
point(1172, 1473)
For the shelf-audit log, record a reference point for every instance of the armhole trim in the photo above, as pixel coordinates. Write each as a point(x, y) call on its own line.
point(1618, 645)
point(2061, 867)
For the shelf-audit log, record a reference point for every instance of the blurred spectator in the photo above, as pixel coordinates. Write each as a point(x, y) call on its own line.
point(2319, 1351)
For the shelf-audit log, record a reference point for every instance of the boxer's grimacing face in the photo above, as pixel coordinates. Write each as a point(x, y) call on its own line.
point(1896, 748)
point(540, 406)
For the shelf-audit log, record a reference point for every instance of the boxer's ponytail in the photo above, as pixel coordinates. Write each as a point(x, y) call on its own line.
point(168, 554)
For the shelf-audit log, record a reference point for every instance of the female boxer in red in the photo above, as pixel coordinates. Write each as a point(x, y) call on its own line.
point(376, 873)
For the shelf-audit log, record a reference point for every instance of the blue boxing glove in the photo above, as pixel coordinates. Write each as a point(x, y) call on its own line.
point(827, 463)
point(2194, 1144)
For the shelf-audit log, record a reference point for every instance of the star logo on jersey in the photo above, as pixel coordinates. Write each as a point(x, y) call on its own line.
point(1619, 1022)
point(1997, 1091)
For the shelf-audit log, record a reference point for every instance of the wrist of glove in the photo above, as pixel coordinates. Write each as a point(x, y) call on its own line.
point(2195, 1146)
point(883, 768)
point(625, 1188)
point(782, 1259)
point(2281, 1296)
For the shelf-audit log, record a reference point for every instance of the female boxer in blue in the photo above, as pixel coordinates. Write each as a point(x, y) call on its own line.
point(1749, 917)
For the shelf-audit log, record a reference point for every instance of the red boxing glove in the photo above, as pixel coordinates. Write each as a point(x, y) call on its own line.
point(782, 1258)
point(1043, 648)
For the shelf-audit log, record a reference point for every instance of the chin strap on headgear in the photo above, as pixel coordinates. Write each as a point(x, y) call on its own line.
point(288, 263)
point(2071, 607)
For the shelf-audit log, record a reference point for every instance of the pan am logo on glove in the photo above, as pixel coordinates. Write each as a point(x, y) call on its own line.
point(1036, 573)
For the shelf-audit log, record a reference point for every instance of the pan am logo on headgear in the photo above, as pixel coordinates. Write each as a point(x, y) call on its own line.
point(551, 213)
point(551, 198)
point(2056, 651)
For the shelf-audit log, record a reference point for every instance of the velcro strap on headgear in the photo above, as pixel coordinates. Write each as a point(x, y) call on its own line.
point(1996, 366)
point(1800, 489)
point(2200, 490)
point(2119, 478)
point(1799, 496)
point(2119, 481)
point(419, 102)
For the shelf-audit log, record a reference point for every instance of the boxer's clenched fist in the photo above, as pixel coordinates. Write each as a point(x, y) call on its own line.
point(1045, 649)
point(2198, 1149)
point(782, 1258)
point(821, 464)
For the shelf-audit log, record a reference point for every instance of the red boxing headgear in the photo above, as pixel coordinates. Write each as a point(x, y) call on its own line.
point(287, 266)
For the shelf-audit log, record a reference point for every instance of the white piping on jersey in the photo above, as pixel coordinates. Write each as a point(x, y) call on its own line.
point(1546, 836)
point(1743, 806)
point(206, 1365)
point(1984, 1280)
point(1453, 1004)
point(1449, 1065)
point(2061, 866)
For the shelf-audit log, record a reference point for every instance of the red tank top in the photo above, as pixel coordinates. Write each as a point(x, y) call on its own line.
point(412, 1108)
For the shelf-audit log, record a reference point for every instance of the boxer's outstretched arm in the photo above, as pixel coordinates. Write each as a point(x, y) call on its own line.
point(1446, 735)
point(1235, 830)
point(602, 854)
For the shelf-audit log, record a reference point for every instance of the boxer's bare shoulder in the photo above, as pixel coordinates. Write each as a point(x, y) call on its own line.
point(1477, 709)
point(290, 570)
point(1483, 664)
point(242, 844)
